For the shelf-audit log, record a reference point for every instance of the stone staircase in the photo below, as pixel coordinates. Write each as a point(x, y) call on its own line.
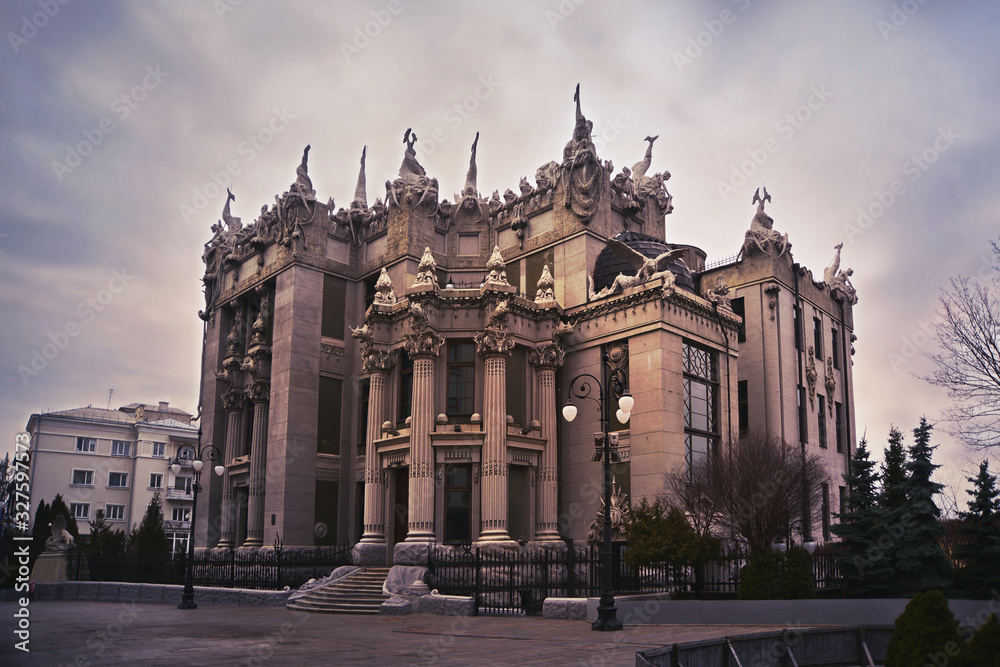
point(358, 593)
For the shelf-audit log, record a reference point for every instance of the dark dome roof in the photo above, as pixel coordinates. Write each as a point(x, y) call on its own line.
point(609, 265)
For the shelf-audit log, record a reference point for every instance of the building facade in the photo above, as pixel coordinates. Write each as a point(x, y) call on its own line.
point(113, 461)
point(391, 374)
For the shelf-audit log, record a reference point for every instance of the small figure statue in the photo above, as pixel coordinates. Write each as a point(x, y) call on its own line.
point(762, 236)
point(61, 539)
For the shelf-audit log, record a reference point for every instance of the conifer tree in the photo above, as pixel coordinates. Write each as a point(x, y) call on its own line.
point(892, 496)
point(979, 549)
point(920, 563)
point(149, 539)
point(864, 563)
point(40, 529)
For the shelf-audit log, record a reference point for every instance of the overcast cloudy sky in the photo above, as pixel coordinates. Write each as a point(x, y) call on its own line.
point(117, 119)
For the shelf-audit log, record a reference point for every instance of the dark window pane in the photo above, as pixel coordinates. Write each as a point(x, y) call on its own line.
point(328, 431)
point(334, 305)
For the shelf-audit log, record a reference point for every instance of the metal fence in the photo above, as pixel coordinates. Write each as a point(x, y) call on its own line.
point(518, 581)
point(262, 569)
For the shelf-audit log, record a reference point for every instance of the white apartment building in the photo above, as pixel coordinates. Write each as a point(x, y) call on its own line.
point(114, 461)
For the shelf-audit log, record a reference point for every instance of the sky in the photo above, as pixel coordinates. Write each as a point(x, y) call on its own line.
point(871, 123)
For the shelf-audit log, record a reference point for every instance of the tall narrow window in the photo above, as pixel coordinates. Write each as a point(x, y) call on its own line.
point(738, 308)
point(461, 378)
point(701, 431)
point(364, 391)
point(834, 347)
point(826, 511)
point(743, 403)
point(843, 500)
point(405, 388)
point(822, 421)
point(334, 305)
point(803, 425)
point(838, 410)
point(797, 325)
point(517, 398)
point(818, 337)
point(328, 431)
point(457, 502)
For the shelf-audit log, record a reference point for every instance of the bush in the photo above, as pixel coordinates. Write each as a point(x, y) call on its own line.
point(772, 575)
point(926, 631)
point(984, 649)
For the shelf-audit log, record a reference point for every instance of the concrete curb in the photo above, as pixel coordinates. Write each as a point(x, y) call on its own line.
point(92, 591)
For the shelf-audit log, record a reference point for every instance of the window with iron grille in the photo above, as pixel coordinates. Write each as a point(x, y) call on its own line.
point(701, 428)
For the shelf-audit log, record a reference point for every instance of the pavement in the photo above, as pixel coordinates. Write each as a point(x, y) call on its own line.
point(108, 633)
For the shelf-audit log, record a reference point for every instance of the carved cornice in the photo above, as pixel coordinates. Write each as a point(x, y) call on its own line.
point(425, 344)
point(651, 292)
point(551, 355)
point(493, 343)
point(328, 349)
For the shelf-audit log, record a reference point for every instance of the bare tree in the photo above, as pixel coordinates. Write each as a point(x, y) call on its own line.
point(968, 367)
point(756, 488)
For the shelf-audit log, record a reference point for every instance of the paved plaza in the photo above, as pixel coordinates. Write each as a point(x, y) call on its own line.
point(104, 633)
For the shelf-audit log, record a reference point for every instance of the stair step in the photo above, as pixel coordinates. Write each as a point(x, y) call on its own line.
point(358, 593)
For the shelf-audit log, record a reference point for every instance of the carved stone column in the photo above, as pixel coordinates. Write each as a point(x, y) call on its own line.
point(423, 349)
point(377, 363)
point(546, 360)
point(260, 392)
point(495, 347)
point(232, 401)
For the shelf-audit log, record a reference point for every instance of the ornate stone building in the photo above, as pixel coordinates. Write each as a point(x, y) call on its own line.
point(390, 374)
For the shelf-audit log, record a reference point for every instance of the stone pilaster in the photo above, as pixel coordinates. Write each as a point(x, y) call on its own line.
point(495, 347)
point(378, 364)
point(423, 348)
point(546, 360)
point(259, 393)
point(232, 400)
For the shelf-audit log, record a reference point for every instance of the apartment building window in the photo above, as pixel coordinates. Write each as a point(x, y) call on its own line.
point(701, 430)
point(822, 421)
point(118, 480)
point(155, 480)
point(461, 378)
point(843, 500)
point(120, 448)
point(818, 337)
point(180, 514)
point(838, 410)
point(114, 512)
point(158, 449)
point(182, 484)
point(83, 478)
point(86, 445)
point(80, 510)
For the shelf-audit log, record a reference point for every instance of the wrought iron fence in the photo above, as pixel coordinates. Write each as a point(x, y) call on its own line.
point(518, 581)
point(263, 569)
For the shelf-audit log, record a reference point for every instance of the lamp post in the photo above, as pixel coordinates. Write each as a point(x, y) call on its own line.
point(581, 387)
point(211, 452)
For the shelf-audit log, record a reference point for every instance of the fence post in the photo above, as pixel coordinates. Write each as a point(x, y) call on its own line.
point(479, 583)
point(571, 570)
point(232, 567)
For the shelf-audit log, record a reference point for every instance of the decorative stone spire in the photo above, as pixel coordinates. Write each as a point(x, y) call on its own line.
point(497, 268)
point(545, 286)
point(384, 293)
point(427, 270)
point(360, 195)
point(471, 189)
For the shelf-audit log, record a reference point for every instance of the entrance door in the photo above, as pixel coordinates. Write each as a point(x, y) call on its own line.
point(242, 503)
point(399, 504)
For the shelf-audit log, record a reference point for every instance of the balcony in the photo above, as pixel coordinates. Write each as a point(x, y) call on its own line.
point(183, 463)
point(176, 525)
point(179, 494)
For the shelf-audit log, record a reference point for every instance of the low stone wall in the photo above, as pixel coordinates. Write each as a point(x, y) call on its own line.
point(93, 591)
point(569, 609)
point(660, 610)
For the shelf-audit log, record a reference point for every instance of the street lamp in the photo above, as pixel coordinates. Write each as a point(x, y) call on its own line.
point(581, 387)
point(211, 452)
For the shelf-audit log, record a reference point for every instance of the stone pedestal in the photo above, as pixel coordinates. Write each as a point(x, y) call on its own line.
point(369, 554)
point(50, 566)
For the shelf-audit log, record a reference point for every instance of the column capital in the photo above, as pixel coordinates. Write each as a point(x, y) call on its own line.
point(377, 361)
point(425, 344)
point(260, 391)
point(233, 399)
point(550, 355)
point(493, 343)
